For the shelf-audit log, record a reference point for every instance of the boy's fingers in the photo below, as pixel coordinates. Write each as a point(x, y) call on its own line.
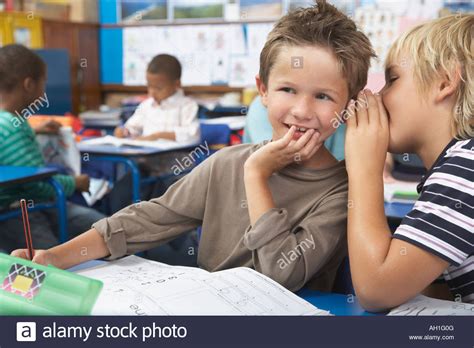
point(373, 109)
point(40, 259)
point(382, 112)
point(311, 146)
point(314, 150)
point(19, 253)
point(287, 138)
point(301, 142)
point(361, 109)
point(351, 121)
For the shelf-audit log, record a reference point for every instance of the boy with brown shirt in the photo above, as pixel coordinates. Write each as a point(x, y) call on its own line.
point(279, 207)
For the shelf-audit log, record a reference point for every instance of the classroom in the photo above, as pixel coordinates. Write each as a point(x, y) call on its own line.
point(236, 158)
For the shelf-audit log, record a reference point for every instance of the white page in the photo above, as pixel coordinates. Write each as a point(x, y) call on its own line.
point(391, 189)
point(423, 305)
point(161, 144)
point(135, 286)
point(98, 189)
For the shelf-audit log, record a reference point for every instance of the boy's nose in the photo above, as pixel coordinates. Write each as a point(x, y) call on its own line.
point(302, 110)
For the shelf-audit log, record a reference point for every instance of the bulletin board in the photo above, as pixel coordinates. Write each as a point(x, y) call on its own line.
point(20, 28)
point(228, 53)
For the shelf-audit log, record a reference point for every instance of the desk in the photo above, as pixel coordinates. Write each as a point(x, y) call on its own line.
point(126, 155)
point(235, 123)
point(14, 175)
point(397, 210)
point(337, 304)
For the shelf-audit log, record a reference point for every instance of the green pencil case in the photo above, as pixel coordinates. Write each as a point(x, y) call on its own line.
point(27, 288)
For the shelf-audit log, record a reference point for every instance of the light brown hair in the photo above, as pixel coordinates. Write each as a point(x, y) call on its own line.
point(443, 46)
point(322, 25)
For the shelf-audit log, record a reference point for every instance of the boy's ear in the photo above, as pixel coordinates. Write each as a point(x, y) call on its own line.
point(178, 83)
point(28, 84)
point(262, 90)
point(448, 84)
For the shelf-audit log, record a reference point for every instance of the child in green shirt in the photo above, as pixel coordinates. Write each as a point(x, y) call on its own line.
point(22, 82)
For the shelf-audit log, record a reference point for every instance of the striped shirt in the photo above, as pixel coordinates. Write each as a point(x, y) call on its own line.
point(18, 147)
point(442, 220)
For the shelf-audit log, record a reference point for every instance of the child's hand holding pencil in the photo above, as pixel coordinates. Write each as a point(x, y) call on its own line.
point(43, 257)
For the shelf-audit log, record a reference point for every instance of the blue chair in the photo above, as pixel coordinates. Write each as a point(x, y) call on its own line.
point(59, 204)
point(215, 136)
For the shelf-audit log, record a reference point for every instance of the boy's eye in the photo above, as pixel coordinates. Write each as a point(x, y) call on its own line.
point(391, 79)
point(287, 90)
point(323, 96)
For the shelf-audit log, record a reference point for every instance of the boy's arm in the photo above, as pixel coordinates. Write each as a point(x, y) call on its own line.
point(189, 128)
point(139, 226)
point(269, 159)
point(134, 125)
point(293, 255)
point(259, 196)
point(270, 233)
point(147, 224)
point(159, 135)
point(386, 272)
point(87, 246)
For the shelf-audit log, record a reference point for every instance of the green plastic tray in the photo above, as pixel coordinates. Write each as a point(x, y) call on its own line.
point(27, 288)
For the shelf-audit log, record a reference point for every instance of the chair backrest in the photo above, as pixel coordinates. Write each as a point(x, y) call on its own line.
point(214, 136)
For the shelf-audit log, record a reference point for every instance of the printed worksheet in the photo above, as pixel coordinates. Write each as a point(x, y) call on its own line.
point(423, 305)
point(135, 286)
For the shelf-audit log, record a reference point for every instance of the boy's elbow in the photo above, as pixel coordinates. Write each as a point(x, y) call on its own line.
point(373, 298)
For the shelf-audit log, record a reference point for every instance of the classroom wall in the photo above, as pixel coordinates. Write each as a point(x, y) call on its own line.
point(381, 20)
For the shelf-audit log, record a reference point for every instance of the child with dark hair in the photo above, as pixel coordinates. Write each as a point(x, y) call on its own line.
point(167, 113)
point(22, 81)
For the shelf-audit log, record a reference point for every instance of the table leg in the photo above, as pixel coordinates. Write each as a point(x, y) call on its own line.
point(135, 173)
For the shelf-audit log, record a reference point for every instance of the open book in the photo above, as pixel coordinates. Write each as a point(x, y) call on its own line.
point(160, 143)
point(136, 286)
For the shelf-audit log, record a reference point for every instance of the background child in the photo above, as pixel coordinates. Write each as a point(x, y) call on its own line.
point(22, 80)
point(167, 113)
point(427, 100)
point(278, 207)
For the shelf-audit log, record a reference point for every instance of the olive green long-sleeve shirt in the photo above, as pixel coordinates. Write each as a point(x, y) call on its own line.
point(302, 240)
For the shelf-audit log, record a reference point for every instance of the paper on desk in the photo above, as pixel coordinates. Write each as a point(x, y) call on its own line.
point(135, 286)
point(162, 144)
point(98, 189)
point(423, 305)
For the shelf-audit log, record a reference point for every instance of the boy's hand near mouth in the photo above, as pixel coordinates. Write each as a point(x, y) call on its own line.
point(271, 158)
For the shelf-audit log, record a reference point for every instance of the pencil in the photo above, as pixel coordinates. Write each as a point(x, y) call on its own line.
point(26, 228)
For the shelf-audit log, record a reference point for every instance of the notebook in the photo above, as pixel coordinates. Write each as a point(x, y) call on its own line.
point(136, 286)
point(423, 305)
